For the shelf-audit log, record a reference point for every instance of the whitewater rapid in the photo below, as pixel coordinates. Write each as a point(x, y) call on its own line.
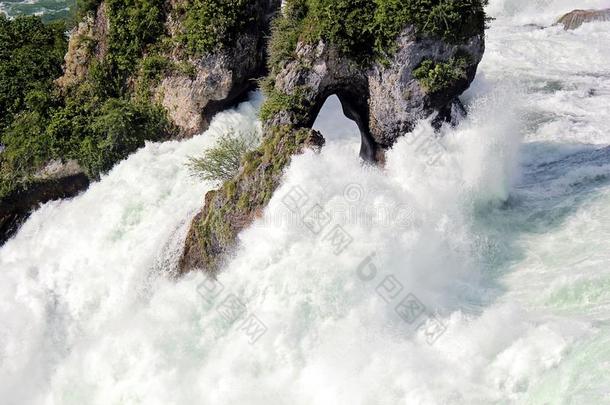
point(502, 234)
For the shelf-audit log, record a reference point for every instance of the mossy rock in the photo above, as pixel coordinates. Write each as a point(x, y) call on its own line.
point(239, 201)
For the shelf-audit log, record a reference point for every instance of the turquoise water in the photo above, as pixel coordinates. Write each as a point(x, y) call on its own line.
point(48, 9)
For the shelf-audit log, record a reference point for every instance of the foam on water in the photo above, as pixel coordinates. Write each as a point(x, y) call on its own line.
point(502, 236)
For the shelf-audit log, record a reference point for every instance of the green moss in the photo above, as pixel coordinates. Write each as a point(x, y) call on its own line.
point(185, 68)
point(438, 76)
point(277, 101)
point(243, 197)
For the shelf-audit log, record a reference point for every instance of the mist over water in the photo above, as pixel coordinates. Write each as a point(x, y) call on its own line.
point(500, 230)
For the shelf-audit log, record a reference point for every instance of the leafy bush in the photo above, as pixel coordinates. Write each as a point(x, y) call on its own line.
point(31, 56)
point(222, 162)
point(120, 128)
point(134, 24)
point(435, 77)
point(97, 122)
point(211, 24)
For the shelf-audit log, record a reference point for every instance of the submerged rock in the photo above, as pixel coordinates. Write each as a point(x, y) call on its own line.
point(576, 18)
point(241, 200)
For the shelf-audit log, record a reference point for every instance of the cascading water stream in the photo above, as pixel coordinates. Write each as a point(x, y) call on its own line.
point(499, 231)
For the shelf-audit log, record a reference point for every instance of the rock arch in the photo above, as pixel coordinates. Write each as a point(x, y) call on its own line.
point(423, 76)
point(385, 99)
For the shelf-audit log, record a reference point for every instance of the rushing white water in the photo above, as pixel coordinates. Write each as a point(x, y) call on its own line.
point(504, 237)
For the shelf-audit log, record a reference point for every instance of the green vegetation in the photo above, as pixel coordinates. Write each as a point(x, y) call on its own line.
point(212, 24)
point(107, 114)
point(367, 29)
point(242, 197)
point(96, 122)
point(278, 101)
point(436, 77)
point(222, 162)
point(31, 55)
point(134, 25)
point(85, 7)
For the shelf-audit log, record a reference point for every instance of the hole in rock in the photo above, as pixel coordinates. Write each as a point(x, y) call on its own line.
point(334, 125)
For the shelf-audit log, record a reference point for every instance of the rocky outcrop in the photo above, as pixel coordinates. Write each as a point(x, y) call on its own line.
point(218, 81)
point(576, 18)
point(88, 42)
point(211, 82)
point(56, 180)
point(386, 98)
point(241, 200)
point(197, 86)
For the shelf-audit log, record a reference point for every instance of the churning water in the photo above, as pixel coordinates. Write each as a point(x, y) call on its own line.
point(470, 270)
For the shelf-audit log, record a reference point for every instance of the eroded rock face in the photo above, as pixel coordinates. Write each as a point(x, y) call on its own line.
point(385, 99)
point(576, 18)
point(218, 81)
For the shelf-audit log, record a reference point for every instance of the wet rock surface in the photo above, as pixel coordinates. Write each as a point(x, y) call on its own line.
point(576, 18)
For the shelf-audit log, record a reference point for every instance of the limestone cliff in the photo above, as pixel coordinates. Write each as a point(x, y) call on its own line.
point(385, 99)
